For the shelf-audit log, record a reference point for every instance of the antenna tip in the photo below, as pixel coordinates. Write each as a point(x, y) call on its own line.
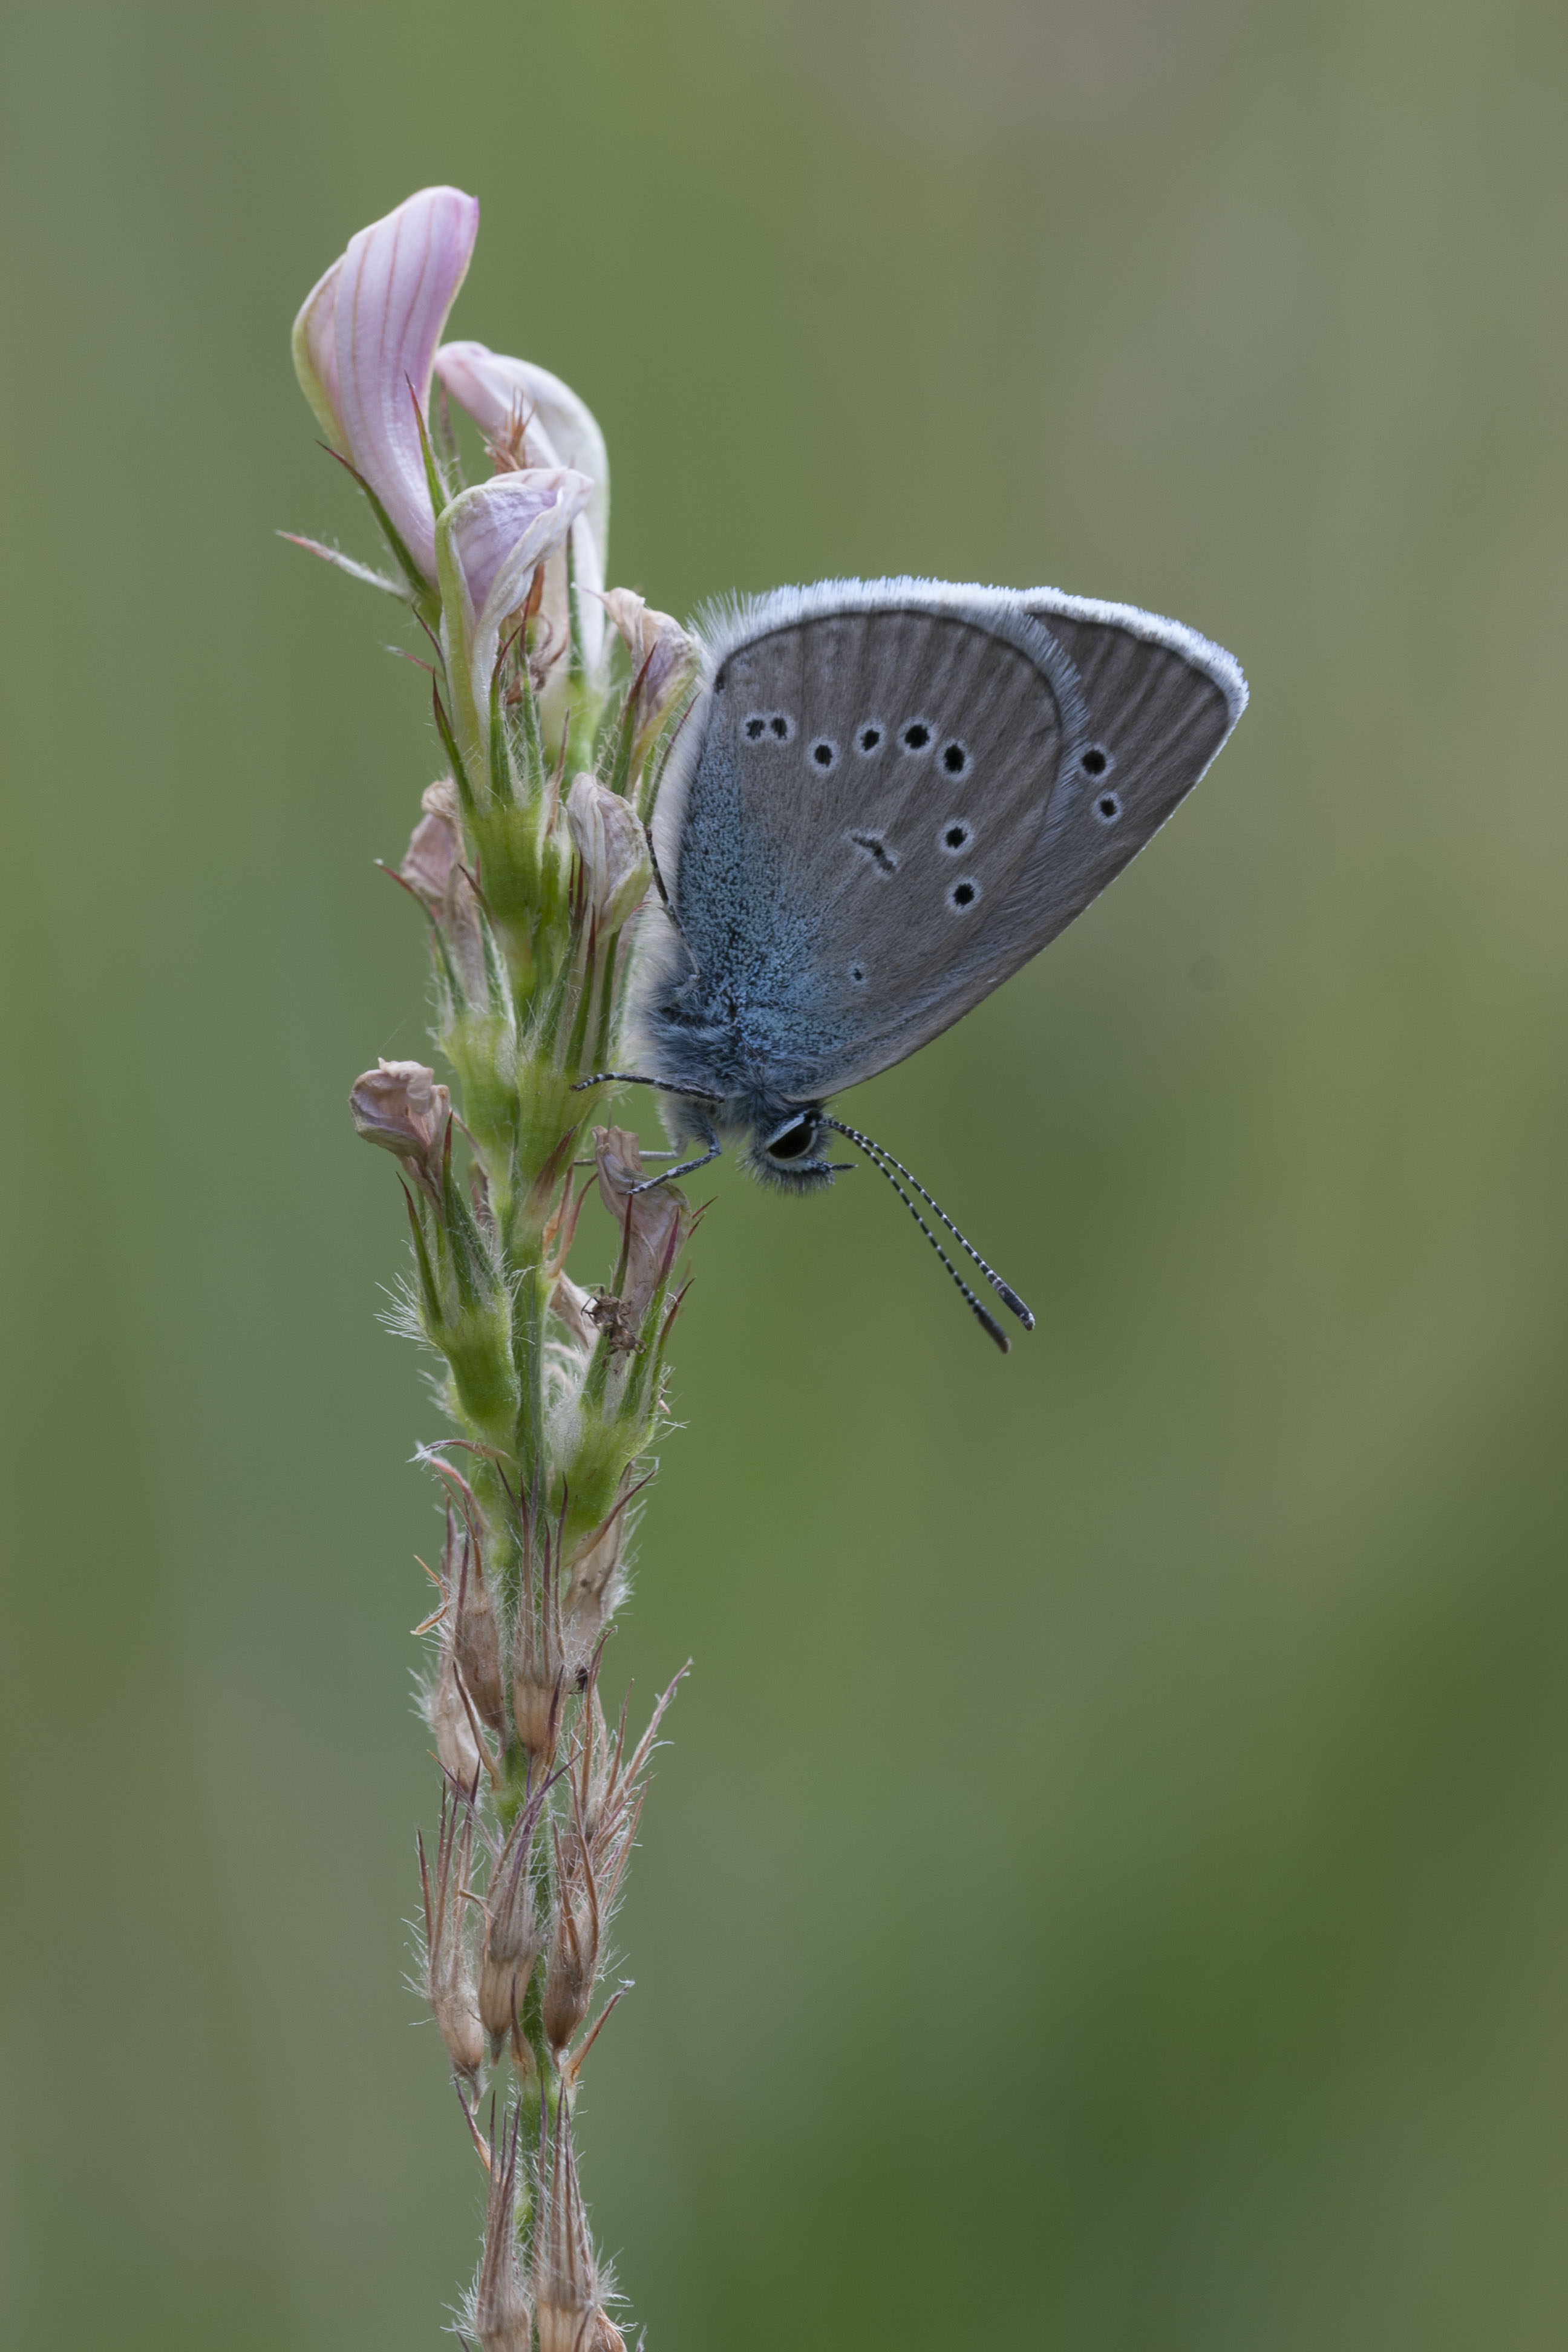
point(994, 1330)
point(1010, 1298)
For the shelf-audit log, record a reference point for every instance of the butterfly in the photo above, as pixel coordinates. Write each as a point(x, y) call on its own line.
point(886, 797)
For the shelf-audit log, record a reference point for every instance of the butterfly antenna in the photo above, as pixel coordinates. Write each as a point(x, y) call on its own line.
point(885, 1164)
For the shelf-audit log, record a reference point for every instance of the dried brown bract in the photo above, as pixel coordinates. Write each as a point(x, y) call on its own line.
point(499, 2312)
point(448, 1977)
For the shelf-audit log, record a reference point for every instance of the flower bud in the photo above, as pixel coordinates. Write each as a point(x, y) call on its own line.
point(399, 1105)
point(611, 843)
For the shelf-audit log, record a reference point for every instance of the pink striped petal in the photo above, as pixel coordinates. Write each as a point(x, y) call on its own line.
point(316, 354)
point(390, 296)
point(495, 391)
point(500, 532)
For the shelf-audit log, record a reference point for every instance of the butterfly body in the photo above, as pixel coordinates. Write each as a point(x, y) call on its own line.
point(887, 797)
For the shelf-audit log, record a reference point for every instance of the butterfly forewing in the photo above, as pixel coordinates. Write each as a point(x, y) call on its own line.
point(1161, 702)
point(893, 804)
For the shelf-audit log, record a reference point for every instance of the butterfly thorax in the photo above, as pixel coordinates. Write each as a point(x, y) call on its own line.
point(706, 1038)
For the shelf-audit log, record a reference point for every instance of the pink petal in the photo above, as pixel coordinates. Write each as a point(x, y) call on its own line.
point(399, 278)
point(316, 352)
point(501, 530)
point(494, 390)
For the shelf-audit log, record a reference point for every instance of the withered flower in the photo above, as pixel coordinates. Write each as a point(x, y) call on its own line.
point(433, 869)
point(663, 660)
point(608, 837)
point(653, 1224)
point(400, 1106)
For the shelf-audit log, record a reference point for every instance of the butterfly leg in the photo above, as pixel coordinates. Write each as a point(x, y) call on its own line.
point(685, 1167)
point(630, 1079)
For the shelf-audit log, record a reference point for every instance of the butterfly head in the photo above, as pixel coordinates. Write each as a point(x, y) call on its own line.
point(787, 1151)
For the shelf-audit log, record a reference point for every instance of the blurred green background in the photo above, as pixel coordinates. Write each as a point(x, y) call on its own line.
point(1109, 1888)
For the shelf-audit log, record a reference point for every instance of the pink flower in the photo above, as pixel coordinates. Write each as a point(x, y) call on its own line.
point(527, 411)
point(492, 539)
point(364, 345)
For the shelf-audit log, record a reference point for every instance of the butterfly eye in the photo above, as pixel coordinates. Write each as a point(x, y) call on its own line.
point(963, 893)
point(795, 1141)
point(916, 736)
point(1094, 760)
point(1107, 808)
point(955, 759)
point(824, 754)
